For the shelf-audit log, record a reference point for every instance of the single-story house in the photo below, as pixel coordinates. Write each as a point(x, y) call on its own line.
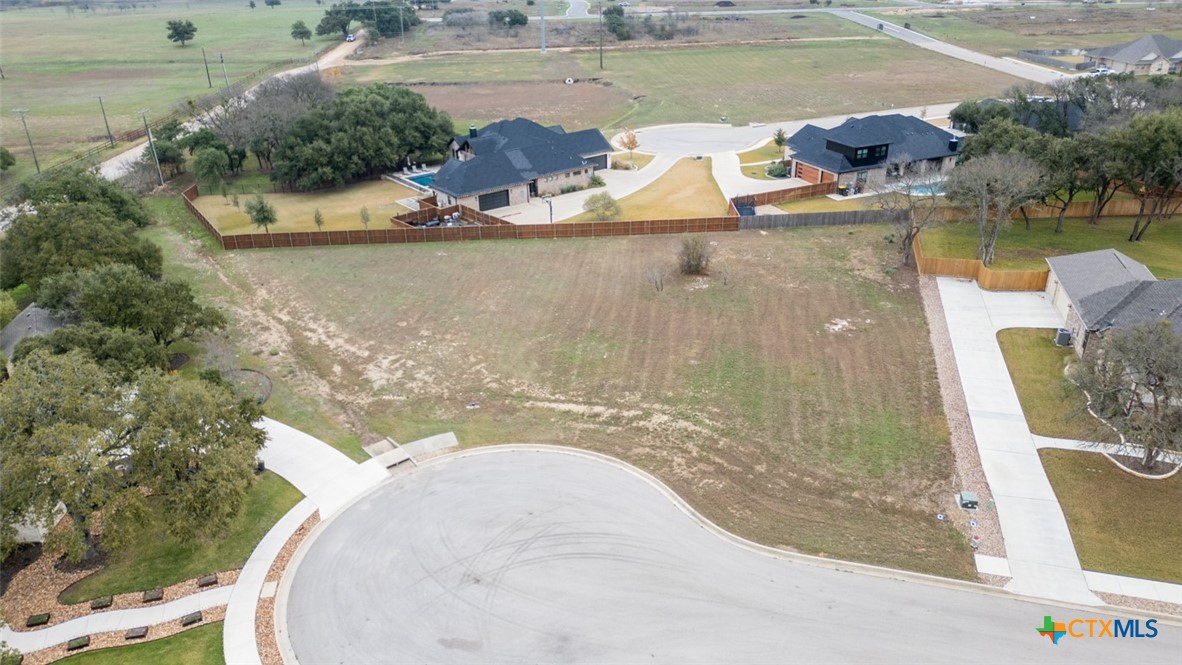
point(860, 150)
point(1094, 292)
point(33, 321)
point(1151, 54)
point(510, 161)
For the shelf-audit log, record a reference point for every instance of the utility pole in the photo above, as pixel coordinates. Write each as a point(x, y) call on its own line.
point(542, 5)
point(600, 34)
point(152, 145)
point(224, 74)
point(208, 79)
point(22, 112)
point(105, 123)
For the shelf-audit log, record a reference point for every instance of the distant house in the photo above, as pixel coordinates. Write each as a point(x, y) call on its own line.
point(860, 150)
point(1094, 292)
point(510, 161)
point(33, 321)
point(1152, 54)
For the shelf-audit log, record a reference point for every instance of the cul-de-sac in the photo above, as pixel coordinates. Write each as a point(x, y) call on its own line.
point(560, 331)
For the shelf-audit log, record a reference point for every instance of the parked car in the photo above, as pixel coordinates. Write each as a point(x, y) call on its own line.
point(351, 38)
point(624, 4)
point(1101, 71)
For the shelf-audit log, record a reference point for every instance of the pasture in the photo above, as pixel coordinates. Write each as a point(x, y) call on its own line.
point(790, 396)
point(643, 87)
point(58, 61)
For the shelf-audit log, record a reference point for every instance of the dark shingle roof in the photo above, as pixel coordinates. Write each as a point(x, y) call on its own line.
point(511, 152)
point(32, 322)
point(1144, 49)
point(906, 135)
point(1111, 290)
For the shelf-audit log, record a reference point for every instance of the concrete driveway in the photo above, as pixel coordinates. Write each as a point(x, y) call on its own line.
point(549, 555)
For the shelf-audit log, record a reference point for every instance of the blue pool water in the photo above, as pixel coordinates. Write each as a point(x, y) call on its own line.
point(936, 189)
point(424, 179)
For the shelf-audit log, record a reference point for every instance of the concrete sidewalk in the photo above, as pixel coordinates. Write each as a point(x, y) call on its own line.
point(728, 174)
point(320, 472)
point(1041, 554)
point(1129, 450)
point(115, 620)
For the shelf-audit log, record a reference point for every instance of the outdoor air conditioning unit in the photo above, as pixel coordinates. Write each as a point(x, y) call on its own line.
point(1063, 337)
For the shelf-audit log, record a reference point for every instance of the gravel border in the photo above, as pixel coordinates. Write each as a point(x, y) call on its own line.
point(116, 638)
point(35, 589)
point(264, 628)
point(1159, 606)
point(969, 473)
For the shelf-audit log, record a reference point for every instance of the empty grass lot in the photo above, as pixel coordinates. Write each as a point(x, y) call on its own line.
point(199, 646)
point(341, 208)
point(1019, 249)
point(158, 559)
point(1006, 31)
point(686, 190)
point(696, 84)
point(1121, 524)
point(1053, 405)
point(56, 64)
point(730, 388)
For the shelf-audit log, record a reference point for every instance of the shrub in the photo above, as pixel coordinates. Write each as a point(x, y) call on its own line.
point(602, 205)
point(694, 257)
point(507, 18)
point(621, 165)
point(569, 188)
point(596, 181)
point(777, 170)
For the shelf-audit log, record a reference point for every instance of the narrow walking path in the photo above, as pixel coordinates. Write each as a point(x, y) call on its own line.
point(115, 620)
point(1041, 554)
point(1096, 447)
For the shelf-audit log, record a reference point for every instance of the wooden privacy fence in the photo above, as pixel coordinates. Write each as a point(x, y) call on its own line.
point(839, 218)
point(785, 195)
point(987, 278)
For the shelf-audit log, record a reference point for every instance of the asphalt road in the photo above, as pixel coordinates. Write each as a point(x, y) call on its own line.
point(515, 557)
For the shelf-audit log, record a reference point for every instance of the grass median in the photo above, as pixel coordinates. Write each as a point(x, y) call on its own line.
point(199, 646)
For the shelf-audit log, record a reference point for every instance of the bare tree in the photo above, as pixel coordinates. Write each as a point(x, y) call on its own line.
point(993, 187)
point(629, 142)
point(1133, 379)
point(655, 275)
point(912, 194)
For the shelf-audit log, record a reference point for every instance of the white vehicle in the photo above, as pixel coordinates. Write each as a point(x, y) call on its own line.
point(351, 38)
point(1101, 71)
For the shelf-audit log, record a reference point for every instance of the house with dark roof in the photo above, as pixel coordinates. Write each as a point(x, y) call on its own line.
point(861, 151)
point(511, 161)
point(33, 321)
point(1095, 292)
point(1151, 54)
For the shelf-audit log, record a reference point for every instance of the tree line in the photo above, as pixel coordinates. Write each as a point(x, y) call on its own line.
point(91, 419)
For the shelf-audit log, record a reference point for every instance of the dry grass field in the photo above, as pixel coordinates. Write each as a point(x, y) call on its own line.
point(686, 190)
point(790, 396)
point(341, 209)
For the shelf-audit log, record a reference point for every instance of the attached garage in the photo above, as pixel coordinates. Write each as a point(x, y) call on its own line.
point(808, 173)
point(599, 162)
point(494, 200)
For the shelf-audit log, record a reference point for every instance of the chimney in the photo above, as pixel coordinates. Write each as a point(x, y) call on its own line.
point(472, 131)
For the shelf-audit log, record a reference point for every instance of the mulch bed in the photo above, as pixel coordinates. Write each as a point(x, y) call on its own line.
point(265, 612)
point(118, 638)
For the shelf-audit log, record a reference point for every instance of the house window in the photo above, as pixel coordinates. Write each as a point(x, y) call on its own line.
point(861, 153)
point(880, 151)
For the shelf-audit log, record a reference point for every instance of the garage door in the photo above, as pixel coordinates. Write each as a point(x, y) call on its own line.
point(494, 200)
point(599, 162)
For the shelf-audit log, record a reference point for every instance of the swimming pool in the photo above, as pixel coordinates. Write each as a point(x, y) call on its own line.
point(924, 190)
point(424, 179)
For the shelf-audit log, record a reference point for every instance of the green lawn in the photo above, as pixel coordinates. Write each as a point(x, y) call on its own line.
point(158, 559)
point(1053, 405)
point(199, 646)
point(1019, 249)
point(767, 152)
point(57, 63)
point(1121, 524)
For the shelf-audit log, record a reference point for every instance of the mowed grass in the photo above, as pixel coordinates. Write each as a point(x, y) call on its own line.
point(1121, 524)
point(1004, 33)
point(158, 559)
point(640, 159)
point(57, 64)
point(765, 153)
point(730, 388)
point(296, 212)
point(1053, 405)
point(1019, 249)
point(686, 190)
point(199, 646)
point(700, 84)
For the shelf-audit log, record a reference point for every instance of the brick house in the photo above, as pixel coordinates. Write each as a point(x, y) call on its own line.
point(511, 161)
point(1148, 55)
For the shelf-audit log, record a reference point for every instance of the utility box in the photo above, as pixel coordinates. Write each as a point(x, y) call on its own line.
point(1063, 337)
point(967, 500)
